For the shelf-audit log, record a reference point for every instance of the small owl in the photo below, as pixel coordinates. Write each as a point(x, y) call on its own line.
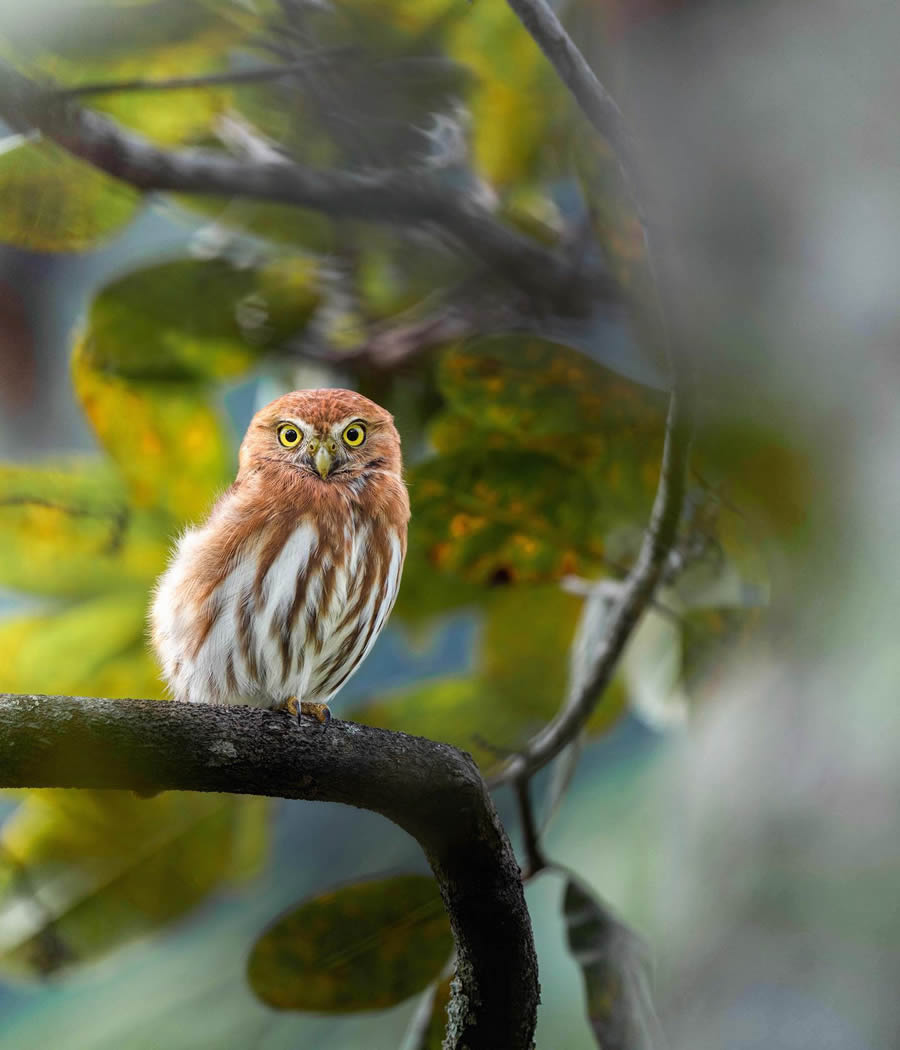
point(279, 596)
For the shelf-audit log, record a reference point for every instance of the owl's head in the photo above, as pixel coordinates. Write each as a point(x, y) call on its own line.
point(330, 435)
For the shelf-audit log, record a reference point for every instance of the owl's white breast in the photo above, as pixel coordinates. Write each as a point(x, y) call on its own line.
point(291, 636)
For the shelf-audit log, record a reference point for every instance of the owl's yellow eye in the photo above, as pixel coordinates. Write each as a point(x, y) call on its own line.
point(354, 435)
point(289, 436)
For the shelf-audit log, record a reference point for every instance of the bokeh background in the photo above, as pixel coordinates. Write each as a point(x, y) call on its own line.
point(735, 800)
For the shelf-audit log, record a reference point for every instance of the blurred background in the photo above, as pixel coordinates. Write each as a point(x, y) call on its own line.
point(735, 797)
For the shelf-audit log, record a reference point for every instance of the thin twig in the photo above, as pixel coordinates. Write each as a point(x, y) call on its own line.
point(638, 588)
point(257, 74)
point(637, 591)
point(251, 75)
point(597, 104)
point(535, 861)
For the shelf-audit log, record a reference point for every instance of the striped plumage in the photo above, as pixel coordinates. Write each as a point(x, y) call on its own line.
point(282, 592)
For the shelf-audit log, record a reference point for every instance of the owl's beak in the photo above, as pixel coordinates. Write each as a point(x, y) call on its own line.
point(323, 461)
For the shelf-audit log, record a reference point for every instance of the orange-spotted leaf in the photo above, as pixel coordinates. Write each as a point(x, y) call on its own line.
point(505, 517)
point(541, 390)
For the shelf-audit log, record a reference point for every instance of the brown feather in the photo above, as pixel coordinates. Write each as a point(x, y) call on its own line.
point(276, 493)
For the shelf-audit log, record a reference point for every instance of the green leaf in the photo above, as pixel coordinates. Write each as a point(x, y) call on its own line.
point(517, 103)
point(505, 517)
point(424, 593)
point(189, 319)
point(365, 947)
point(543, 455)
point(740, 459)
point(83, 872)
point(66, 529)
point(52, 202)
point(434, 1034)
point(65, 652)
point(165, 437)
point(282, 224)
point(542, 392)
point(517, 685)
point(613, 965)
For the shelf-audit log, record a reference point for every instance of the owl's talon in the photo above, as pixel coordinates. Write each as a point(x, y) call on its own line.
point(291, 705)
point(319, 712)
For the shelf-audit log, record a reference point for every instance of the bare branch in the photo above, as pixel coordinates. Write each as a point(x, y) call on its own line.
point(252, 75)
point(431, 790)
point(402, 64)
point(595, 101)
point(535, 861)
point(637, 591)
point(406, 198)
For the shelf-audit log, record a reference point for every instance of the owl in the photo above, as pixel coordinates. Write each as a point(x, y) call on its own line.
point(277, 598)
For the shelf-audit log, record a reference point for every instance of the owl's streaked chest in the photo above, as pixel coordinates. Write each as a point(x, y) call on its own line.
point(291, 610)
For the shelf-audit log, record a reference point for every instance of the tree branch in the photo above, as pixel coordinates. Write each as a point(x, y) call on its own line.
point(638, 589)
point(410, 198)
point(636, 594)
point(430, 790)
point(402, 64)
point(597, 104)
point(535, 861)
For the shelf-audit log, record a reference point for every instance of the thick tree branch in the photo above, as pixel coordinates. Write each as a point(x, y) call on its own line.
point(403, 198)
point(431, 790)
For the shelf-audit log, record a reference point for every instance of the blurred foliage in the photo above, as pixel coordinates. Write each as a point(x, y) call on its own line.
point(363, 947)
point(543, 454)
point(195, 320)
point(95, 535)
point(39, 211)
point(614, 967)
point(82, 871)
point(432, 1036)
point(516, 686)
point(528, 461)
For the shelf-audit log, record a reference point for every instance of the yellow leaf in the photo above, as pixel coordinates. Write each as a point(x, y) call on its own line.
point(66, 529)
point(167, 441)
point(52, 202)
point(70, 652)
point(82, 872)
